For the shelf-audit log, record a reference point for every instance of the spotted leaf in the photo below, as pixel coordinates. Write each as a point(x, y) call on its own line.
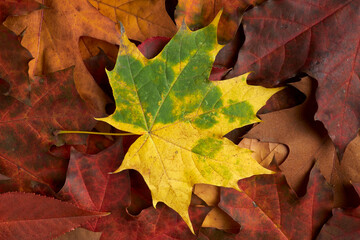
point(182, 117)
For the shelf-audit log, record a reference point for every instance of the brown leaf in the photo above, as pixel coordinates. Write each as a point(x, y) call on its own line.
point(142, 19)
point(346, 172)
point(208, 193)
point(80, 234)
point(52, 35)
point(217, 218)
point(306, 139)
point(264, 152)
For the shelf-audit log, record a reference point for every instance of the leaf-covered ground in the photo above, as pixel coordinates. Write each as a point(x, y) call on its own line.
point(177, 119)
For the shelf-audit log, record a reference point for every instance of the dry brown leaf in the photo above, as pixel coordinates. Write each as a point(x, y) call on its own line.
point(306, 139)
point(80, 233)
point(350, 164)
point(142, 19)
point(52, 35)
point(345, 173)
point(209, 193)
point(264, 152)
point(217, 218)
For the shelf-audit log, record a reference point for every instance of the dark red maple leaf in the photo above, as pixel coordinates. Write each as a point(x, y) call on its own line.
point(268, 209)
point(89, 185)
point(14, 58)
point(321, 38)
point(28, 216)
point(27, 131)
point(344, 224)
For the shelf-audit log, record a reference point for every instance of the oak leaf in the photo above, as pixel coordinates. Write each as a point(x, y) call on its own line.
point(281, 41)
point(306, 139)
point(142, 19)
point(52, 35)
point(182, 117)
point(28, 216)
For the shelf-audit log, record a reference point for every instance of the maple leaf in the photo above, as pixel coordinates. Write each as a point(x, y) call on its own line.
point(307, 139)
point(13, 57)
point(200, 13)
point(27, 131)
point(88, 185)
point(52, 35)
point(28, 216)
point(142, 19)
point(268, 209)
point(182, 117)
point(281, 41)
point(344, 223)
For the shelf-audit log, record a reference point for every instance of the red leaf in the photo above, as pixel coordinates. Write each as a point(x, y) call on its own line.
point(27, 131)
point(268, 209)
point(344, 224)
point(285, 37)
point(153, 46)
point(29, 216)
point(17, 7)
point(89, 185)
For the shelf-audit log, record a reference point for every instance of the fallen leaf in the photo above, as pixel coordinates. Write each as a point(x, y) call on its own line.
point(153, 46)
point(80, 233)
point(91, 47)
point(209, 193)
point(200, 13)
point(13, 57)
point(218, 219)
point(344, 224)
point(350, 165)
point(29, 216)
point(306, 139)
point(344, 173)
point(88, 185)
point(27, 132)
point(268, 209)
point(17, 8)
point(52, 35)
point(142, 19)
point(264, 152)
point(286, 37)
point(96, 66)
point(182, 117)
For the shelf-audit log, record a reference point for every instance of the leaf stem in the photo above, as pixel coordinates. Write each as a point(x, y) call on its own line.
point(94, 133)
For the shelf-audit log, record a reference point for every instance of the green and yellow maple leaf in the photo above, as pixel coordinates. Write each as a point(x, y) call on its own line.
point(182, 117)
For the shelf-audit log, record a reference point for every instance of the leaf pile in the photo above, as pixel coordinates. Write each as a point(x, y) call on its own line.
point(186, 148)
